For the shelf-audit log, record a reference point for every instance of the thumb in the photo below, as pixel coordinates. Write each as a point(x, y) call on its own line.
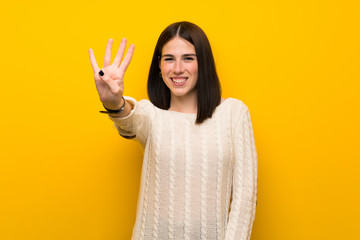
point(114, 87)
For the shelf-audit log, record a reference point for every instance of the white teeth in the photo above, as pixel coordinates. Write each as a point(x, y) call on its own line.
point(179, 80)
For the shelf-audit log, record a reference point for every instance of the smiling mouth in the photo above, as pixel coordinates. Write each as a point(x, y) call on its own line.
point(179, 79)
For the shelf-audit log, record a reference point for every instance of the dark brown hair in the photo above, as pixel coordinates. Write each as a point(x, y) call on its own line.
point(208, 84)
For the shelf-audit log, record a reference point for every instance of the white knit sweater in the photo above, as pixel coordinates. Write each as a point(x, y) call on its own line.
point(198, 181)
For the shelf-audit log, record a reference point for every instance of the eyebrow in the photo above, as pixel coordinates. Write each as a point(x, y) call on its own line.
point(185, 55)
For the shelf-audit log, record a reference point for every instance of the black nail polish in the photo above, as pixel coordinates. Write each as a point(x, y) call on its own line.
point(101, 73)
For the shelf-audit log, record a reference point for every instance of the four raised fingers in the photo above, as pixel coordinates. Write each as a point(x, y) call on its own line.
point(110, 82)
point(118, 56)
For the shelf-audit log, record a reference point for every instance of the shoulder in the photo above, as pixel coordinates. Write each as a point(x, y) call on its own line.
point(239, 114)
point(236, 106)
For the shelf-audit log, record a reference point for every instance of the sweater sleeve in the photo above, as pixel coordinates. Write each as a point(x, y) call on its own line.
point(136, 124)
point(244, 187)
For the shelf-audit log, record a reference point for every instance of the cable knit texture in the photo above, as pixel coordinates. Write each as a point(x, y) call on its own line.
point(199, 181)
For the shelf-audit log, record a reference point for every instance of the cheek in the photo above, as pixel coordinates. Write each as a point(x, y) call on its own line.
point(194, 69)
point(164, 67)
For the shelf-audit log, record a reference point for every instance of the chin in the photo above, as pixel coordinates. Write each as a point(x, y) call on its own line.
point(178, 94)
point(181, 93)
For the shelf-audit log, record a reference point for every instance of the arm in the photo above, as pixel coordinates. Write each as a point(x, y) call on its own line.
point(136, 123)
point(244, 196)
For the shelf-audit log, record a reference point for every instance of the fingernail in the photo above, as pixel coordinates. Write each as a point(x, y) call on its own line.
point(101, 73)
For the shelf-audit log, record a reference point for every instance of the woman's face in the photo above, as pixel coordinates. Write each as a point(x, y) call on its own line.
point(179, 67)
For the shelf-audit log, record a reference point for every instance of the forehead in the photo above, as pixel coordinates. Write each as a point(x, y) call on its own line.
point(178, 46)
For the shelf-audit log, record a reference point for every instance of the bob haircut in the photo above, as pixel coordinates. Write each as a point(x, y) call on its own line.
point(208, 84)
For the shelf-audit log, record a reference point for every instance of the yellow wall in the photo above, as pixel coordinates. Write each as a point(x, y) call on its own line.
point(66, 174)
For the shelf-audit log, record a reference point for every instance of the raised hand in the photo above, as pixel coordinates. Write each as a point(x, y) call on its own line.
point(110, 85)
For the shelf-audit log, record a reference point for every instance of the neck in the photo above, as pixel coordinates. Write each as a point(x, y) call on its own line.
point(184, 104)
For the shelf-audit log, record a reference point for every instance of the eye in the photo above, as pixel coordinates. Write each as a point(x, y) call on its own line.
point(189, 59)
point(168, 59)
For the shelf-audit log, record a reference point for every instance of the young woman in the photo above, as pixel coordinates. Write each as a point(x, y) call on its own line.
point(199, 175)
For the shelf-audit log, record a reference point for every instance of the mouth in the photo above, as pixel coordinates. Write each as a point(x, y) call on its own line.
point(179, 80)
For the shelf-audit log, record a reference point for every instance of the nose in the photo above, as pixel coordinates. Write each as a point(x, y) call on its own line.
point(178, 68)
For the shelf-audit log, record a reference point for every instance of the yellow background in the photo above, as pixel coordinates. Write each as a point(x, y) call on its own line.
point(66, 174)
